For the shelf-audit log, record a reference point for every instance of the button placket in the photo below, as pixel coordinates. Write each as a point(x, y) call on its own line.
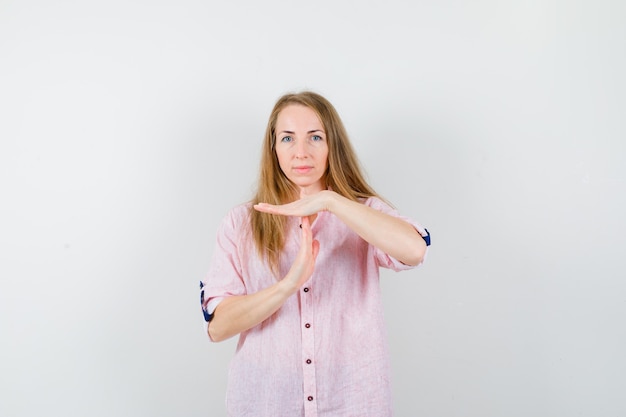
point(308, 352)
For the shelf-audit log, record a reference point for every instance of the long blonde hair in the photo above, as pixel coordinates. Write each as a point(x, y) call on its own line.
point(343, 174)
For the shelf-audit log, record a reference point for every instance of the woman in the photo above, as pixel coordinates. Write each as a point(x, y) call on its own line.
point(295, 274)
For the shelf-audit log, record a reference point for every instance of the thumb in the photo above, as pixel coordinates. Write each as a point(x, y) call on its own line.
point(315, 249)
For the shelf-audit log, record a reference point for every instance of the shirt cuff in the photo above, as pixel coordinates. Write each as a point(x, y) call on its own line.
point(212, 305)
point(208, 306)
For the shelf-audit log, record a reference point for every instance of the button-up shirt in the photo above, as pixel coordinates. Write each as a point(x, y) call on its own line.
point(324, 352)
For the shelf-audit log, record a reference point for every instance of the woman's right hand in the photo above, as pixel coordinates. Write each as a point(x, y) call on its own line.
point(304, 264)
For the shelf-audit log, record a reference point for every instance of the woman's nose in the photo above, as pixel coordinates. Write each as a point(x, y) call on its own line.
point(301, 149)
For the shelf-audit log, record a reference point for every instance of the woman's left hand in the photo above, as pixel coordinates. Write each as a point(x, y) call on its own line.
point(306, 206)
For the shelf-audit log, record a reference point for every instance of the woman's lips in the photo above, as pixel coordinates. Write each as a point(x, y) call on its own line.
point(303, 169)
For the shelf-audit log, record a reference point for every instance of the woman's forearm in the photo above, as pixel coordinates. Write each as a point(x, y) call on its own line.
point(392, 235)
point(238, 313)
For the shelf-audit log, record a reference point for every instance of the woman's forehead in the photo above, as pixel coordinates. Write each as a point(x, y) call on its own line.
point(297, 116)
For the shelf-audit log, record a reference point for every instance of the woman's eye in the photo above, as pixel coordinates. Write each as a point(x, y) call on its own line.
point(286, 139)
point(316, 138)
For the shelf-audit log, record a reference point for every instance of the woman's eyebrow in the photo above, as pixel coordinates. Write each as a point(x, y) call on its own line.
point(289, 132)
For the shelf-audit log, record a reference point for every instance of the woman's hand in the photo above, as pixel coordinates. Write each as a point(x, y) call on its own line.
point(306, 206)
point(304, 264)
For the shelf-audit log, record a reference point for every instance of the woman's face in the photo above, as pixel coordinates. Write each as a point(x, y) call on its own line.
point(301, 148)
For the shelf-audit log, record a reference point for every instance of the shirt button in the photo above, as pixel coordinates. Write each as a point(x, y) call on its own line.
point(306, 289)
point(309, 398)
point(308, 361)
point(307, 325)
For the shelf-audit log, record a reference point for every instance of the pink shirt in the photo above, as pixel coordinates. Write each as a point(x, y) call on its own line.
point(324, 352)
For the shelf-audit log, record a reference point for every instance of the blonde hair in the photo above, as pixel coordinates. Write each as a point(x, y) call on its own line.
point(343, 174)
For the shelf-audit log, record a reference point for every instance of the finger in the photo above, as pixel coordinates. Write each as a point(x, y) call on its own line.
point(305, 225)
point(307, 235)
point(272, 209)
point(264, 207)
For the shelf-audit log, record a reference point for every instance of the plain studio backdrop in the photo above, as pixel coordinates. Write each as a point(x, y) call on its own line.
point(129, 128)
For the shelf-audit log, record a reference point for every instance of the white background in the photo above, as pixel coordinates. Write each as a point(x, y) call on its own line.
point(129, 128)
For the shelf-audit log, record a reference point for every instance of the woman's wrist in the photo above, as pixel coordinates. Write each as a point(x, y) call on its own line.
point(286, 287)
point(332, 200)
